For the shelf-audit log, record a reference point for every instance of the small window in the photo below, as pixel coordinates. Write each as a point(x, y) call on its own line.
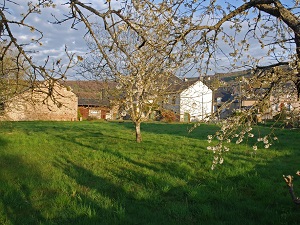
point(94, 112)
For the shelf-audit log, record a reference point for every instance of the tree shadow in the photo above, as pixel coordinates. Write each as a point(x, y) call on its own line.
point(16, 204)
point(177, 129)
point(140, 192)
point(261, 190)
point(127, 208)
point(210, 202)
point(3, 142)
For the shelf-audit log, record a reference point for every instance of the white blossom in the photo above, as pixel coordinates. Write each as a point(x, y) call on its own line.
point(221, 160)
point(266, 141)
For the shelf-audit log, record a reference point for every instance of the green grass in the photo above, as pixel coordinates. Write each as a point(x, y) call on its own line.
point(95, 173)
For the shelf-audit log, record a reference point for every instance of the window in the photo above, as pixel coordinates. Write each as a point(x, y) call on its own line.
point(94, 112)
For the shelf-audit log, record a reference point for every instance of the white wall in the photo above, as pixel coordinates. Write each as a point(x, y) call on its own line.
point(196, 101)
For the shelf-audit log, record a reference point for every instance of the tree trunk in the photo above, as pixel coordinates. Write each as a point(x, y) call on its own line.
point(297, 42)
point(138, 132)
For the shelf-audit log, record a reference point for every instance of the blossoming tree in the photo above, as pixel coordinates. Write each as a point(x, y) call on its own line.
point(19, 70)
point(193, 35)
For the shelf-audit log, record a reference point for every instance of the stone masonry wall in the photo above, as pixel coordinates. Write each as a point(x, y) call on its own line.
point(34, 105)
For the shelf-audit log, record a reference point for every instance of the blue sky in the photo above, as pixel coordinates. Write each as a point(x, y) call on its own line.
point(56, 37)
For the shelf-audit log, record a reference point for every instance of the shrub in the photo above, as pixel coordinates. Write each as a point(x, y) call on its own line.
point(168, 116)
point(79, 115)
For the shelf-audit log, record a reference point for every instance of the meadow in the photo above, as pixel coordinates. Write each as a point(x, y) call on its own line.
point(93, 172)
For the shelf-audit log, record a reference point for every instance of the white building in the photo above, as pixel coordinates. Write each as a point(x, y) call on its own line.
point(191, 99)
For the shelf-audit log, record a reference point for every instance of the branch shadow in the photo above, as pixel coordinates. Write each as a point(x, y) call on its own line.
point(212, 199)
point(174, 129)
point(15, 193)
point(126, 207)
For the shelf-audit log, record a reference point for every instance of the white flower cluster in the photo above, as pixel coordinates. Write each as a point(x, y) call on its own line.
point(217, 160)
point(236, 129)
point(266, 141)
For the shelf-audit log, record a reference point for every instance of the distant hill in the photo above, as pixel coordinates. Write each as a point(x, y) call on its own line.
point(225, 80)
point(231, 76)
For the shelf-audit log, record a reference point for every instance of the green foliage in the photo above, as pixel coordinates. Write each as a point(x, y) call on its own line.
point(95, 173)
point(79, 115)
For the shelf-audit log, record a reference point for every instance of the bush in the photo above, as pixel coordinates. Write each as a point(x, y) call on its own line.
point(79, 115)
point(168, 116)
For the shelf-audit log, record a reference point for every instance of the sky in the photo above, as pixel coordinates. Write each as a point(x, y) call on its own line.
point(57, 36)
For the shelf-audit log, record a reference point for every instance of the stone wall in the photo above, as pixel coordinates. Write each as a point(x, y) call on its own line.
point(61, 105)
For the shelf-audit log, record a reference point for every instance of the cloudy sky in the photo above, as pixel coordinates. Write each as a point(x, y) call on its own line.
point(57, 36)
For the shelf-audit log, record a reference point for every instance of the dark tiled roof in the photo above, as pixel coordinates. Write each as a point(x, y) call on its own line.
point(177, 85)
point(92, 102)
point(92, 93)
point(99, 93)
point(223, 93)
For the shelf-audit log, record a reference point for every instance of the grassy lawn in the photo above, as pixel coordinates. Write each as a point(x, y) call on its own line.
point(95, 173)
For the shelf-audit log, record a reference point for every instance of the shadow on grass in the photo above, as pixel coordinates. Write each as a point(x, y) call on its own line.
point(261, 190)
point(177, 129)
point(250, 198)
point(26, 198)
point(123, 206)
point(95, 127)
point(15, 194)
point(254, 197)
point(154, 192)
point(3, 143)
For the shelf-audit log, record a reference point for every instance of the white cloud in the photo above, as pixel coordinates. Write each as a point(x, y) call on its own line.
point(57, 36)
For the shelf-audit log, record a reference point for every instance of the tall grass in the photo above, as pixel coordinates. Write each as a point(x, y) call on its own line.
point(95, 173)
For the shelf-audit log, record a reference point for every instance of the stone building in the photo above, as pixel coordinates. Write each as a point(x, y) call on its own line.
point(95, 98)
point(48, 101)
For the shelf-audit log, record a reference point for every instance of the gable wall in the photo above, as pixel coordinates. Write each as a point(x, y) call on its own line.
point(35, 106)
point(196, 101)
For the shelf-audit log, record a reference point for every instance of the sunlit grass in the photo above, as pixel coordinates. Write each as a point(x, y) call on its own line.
point(95, 173)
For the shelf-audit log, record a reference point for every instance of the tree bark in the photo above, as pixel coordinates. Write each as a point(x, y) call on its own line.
point(291, 20)
point(295, 199)
point(289, 181)
point(138, 132)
